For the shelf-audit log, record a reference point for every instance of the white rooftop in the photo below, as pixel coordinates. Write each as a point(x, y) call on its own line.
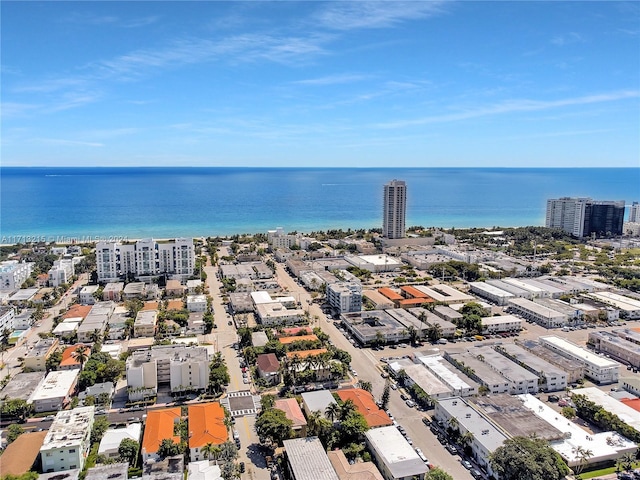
point(69, 428)
point(399, 457)
point(624, 412)
point(436, 364)
point(203, 470)
point(380, 260)
point(604, 445)
point(309, 460)
point(579, 352)
point(112, 437)
point(55, 385)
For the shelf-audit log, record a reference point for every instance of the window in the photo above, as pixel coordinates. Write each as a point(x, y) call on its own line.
point(72, 450)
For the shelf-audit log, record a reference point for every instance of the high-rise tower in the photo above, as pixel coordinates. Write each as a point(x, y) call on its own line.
point(584, 217)
point(634, 213)
point(394, 209)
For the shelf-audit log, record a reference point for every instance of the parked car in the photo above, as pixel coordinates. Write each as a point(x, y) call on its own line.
point(426, 421)
point(410, 403)
point(466, 464)
point(404, 397)
point(475, 473)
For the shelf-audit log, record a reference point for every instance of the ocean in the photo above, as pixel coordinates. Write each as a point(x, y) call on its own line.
point(82, 204)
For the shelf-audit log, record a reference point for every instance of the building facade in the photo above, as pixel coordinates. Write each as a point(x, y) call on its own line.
point(13, 274)
point(145, 258)
point(584, 217)
point(345, 296)
point(67, 444)
point(394, 209)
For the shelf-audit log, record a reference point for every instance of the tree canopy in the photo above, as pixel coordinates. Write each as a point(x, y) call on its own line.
point(525, 458)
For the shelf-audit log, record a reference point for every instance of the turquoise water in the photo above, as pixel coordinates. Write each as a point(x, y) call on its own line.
point(103, 203)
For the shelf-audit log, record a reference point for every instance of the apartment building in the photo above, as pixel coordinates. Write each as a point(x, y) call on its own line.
point(87, 294)
point(55, 391)
point(61, 272)
point(36, 359)
point(145, 323)
point(159, 426)
point(7, 319)
point(13, 274)
point(394, 209)
point(616, 346)
point(206, 426)
point(67, 443)
point(145, 258)
point(583, 217)
point(345, 296)
point(178, 366)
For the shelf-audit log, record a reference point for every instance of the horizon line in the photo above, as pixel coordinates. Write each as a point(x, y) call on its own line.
point(320, 167)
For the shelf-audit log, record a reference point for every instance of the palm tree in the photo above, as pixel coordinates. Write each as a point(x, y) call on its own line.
point(211, 451)
point(346, 408)
point(80, 355)
point(583, 456)
point(332, 411)
point(467, 438)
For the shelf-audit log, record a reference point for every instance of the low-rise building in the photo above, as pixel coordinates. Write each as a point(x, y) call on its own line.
point(54, 393)
point(520, 379)
point(145, 323)
point(36, 359)
point(276, 314)
point(113, 291)
point(394, 457)
point(178, 366)
point(110, 471)
point(174, 288)
point(206, 426)
point(421, 376)
point(317, 401)
point(307, 459)
point(598, 368)
point(368, 326)
point(67, 443)
point(159, 426)
point(491, 292)
point(293, 412)
point(542, 315)
point(87, 294)
point(197, 303)
point(21, 386)
point(114, 436)
point(356, 471)
point(501, 324)
point(13, 274)
point(625, 413)
point(571, 367)
point(550, 377)
point(203, 470)
point(459, 383)
point(366, 406)
point(71, 356)
point(345, 296)
point(616, 347)
point(468, 361)
point(486, 437)
point(269, 368)
point(20, 456)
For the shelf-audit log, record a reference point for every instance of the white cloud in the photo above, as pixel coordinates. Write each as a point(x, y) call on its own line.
point(364, 14)
point(567, 39)
point(332, 79)
point(513, 106)
point(67, 143)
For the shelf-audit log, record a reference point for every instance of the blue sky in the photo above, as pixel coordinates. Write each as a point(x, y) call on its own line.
point(363, 84)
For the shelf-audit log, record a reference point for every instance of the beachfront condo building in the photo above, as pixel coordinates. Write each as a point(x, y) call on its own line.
point(634, 213)
point(13, 274)
point(145, 258)
point(394, 209)
point(585, 217)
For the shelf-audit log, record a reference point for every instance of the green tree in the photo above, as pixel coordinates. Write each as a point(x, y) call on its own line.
point(218, 373)
point(168, 448)
point(16, 408)
point(352, 427)
point(437, 474)
point(211, 451)
point(274, 425)
point(80, 355)
point(386, 395)
point(14, 431)
point(128, 451)
point(525, 458)
point(364, 385)
point(100, 425)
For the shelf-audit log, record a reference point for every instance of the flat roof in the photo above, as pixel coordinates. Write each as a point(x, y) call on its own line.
point(625, 413)
point(112, 471)
point(113, 436)
point(318, 400)
point(426, 380)
point(380, 260)
point(395, 452)
point(69, 427)
point(22, 385)
point(456, 380)
point(309, 460)
point(56, 384)
point(579, 352)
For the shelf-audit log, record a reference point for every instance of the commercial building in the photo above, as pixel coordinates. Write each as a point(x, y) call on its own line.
point(113, 437)
point(307, 459)
point(159, 426)
point(486, 437)
point(520, 379)
point(615, 346)
point(604, 446)
point(13, 274)
point(598, 368)
point(178, 366)
point(67, 443)
point(345, 296)
point(392, 454)
point(206, 426)
point(550, 377)
point(500, 324)
point(584, 217)
point(542, 315)
point(445, 294)
point(145, 258)
point(55, 392)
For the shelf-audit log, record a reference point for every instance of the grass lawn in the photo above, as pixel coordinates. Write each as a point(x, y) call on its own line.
point(604, 471)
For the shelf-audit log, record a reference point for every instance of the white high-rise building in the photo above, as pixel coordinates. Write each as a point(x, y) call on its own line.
point(145, 258)
point(634, 213)
point(394, 209)
point(583, 217)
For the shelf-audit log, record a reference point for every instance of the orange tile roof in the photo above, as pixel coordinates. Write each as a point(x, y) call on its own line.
point(637, 329)
point(306, 353)
point(77, 311)
point(297, 338)
point(68, 358)
point(288, 332)
point(159, 425)
point(150, 306)
point(366, 405)
point(414, 301)
point(175, 305)
point(390, 294)
point(632, 402)
point(291, 409)
point(206, 425)
point(414, 292)
point(19, 457)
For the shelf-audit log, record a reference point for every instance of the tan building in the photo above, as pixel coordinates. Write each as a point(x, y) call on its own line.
point(36, 359)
